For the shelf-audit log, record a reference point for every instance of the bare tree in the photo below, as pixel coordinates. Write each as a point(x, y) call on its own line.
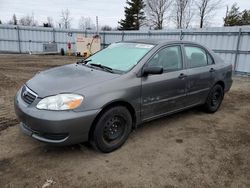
point(189, 14)
point(206, 8)
point(86, 23)
point(183, 13)
point(156, 11)
point(50, 21)
point(28, 20)
point(65, 21)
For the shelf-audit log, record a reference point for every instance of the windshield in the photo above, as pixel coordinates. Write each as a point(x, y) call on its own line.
point(120, 56)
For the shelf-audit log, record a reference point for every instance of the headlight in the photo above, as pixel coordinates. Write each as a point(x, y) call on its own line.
point(60, 102)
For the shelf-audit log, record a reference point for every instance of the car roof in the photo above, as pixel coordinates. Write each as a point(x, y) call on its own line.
point(159, 41)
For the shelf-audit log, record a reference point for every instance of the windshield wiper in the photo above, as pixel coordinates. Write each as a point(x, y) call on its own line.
point(102, 67)
point(83, 61)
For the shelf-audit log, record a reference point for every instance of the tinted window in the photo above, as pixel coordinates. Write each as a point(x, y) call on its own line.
point(196, 57)
point(169, 58)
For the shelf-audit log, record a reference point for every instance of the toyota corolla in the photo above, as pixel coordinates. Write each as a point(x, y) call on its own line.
point(102, 98)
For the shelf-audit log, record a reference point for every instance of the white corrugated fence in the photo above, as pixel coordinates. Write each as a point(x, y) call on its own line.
point(231, 43)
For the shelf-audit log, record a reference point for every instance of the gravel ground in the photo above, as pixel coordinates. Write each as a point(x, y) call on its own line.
point(188, 149)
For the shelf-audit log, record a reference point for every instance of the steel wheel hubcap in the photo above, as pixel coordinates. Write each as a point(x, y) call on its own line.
point(114, 129)
point(216, 98)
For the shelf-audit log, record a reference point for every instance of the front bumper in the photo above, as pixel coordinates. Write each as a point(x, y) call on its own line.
point(54, 127)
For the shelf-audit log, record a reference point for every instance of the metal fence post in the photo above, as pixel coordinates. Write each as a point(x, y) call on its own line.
point(19, 40)
point(54, 35)
point(237, 50)
point(86, 34)
point(149, 34)
point(104, 40)
point(123, 35)
point(181, 35)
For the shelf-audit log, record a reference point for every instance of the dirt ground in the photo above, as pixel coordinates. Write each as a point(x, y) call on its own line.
point(189, 149)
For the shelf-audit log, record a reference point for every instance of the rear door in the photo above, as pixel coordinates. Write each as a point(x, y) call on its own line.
point(199, 74)
point(166, 92)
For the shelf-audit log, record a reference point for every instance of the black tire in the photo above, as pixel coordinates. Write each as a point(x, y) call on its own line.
point(214, 99)
point(112, 129)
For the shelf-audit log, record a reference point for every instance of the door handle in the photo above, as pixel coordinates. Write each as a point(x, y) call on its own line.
point(182, 75)
point(212, 70)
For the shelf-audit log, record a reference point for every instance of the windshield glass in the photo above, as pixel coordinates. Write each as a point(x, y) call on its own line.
point(120, 56)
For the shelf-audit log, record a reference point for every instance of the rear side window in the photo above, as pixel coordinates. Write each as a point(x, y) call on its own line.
point(196, 57)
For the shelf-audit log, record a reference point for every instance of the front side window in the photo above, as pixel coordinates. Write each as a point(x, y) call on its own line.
point(169, 58)
point(120, 56)
point(210, 60)
point(196, 57)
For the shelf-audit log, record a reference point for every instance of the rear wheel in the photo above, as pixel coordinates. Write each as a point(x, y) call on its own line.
point(214, 99)
point(112, 129)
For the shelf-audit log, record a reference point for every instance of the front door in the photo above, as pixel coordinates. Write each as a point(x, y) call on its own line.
point(164, 93)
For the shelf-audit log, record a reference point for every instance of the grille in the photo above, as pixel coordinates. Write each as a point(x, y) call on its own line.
point(27, 95)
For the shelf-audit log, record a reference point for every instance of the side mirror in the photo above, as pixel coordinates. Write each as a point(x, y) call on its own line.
point(152, 70)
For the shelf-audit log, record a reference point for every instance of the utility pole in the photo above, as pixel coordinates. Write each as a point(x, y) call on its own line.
point(97, 29)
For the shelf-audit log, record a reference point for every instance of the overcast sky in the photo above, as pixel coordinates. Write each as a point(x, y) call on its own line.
point(108, 11)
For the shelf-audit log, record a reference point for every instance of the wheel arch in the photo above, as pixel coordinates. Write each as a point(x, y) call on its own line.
point(112, 104)
point(221, 83)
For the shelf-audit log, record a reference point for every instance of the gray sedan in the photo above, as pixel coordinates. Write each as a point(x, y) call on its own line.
point(102, 98)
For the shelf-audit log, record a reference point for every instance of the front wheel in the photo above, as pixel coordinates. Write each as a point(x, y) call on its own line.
point(112, 129)
point(214, 99)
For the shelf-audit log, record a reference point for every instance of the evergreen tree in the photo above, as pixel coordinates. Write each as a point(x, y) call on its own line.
point(233, 16)
point(236, 18)
point(134, 15)
point(245, 17)
point(14, 19)
point(0, 22)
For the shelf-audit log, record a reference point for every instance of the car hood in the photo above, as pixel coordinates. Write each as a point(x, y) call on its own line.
point(68, 78)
